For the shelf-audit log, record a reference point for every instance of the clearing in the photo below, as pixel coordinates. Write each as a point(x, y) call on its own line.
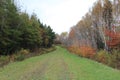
point(58, 65)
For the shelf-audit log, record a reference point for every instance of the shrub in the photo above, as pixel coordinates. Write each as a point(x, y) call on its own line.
point(110, 59)
point(21, 54)
point(74, 49)
point(4, 60)
point(20, 57)
point(84, 51)
point(114, 60)
point(87, 51)
point(50, 49)
point(24, 51)
point(102, 56)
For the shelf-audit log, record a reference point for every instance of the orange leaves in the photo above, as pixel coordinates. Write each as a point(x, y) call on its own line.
point(85, 51)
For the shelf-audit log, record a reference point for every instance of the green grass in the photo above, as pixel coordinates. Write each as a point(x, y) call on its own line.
point(58, 65)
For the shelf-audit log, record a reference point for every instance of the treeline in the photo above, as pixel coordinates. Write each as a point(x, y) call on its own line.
point(97, 34)
point(19, 30)
point(97, 28)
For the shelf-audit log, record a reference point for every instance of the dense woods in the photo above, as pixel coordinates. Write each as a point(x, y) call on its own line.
point(97, 34)
point(18, 30)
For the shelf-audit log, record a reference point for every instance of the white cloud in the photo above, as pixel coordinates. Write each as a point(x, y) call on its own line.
point(59, 14)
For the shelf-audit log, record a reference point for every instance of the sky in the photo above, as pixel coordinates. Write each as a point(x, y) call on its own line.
point(59, 14)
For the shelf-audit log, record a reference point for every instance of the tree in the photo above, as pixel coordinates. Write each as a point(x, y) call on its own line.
point(9, 27)
point(107, 14)
point(108, 18)
point(97, 24)
point(51, 36)
point(114, 42)
point(19, 30)
point(63, 38)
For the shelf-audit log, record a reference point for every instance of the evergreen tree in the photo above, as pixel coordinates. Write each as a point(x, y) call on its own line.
point(19, 30)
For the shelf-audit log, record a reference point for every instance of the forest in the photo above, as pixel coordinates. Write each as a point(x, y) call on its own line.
point(21, 35)
point(97, 34)
point(31, 50)
point(19, 30)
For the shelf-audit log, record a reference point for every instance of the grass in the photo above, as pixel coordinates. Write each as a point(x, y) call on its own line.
point(58, 65)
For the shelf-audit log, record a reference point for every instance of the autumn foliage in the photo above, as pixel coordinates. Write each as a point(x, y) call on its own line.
point(114, 39)
point(84, 51)
point(97, 34)
point(87, 51)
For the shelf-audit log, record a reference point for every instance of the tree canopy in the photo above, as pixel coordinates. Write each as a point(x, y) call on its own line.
point(19, 30)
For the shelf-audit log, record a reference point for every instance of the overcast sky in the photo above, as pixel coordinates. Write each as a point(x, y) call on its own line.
point(59, 14)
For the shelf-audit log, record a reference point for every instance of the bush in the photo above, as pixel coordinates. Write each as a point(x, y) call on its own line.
point(24, 51)
point(84, 51)
point(21, 54)
point(114, 60)
point(4, 60)
point(87, 51)
point(20, 57)
point(102, 56)
point(50, 49)
point(110, 59)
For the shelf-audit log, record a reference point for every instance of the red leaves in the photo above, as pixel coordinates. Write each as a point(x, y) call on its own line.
point(114, 38)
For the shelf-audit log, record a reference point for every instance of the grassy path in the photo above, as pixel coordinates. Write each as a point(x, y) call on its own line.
point(58, 65)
